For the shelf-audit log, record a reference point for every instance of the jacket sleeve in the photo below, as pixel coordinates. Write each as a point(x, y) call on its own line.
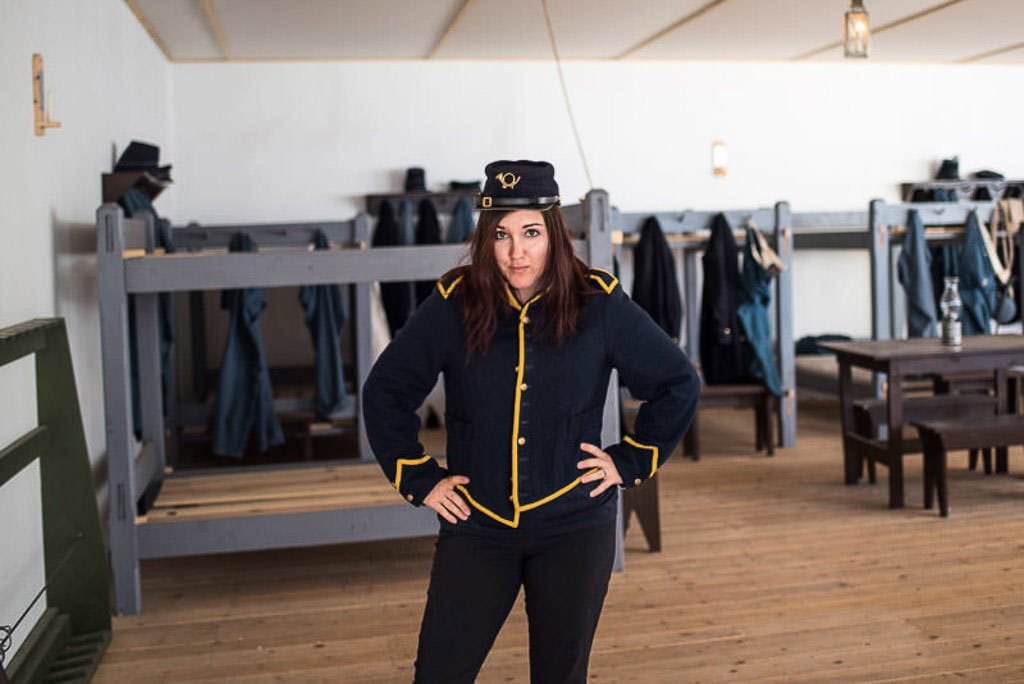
point(656, 372)
point(398, 383)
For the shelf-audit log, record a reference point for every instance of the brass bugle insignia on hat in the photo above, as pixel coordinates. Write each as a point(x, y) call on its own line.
point(508, 180)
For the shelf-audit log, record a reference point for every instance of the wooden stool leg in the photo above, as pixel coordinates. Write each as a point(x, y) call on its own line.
point(986, 458)
point(644, 500)
point(940, 477)
point(972, 459)
point(931, 444)
point(691, 442)
point(769, 438)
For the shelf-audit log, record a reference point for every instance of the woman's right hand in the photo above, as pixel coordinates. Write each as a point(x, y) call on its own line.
point(446, 501)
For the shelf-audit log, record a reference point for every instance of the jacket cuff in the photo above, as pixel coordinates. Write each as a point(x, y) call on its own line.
point(416, 477)
point(635, 461)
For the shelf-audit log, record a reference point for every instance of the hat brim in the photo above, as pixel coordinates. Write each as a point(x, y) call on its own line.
point(489, 203)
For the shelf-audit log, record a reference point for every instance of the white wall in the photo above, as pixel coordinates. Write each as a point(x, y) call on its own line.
point(109, 84)
point(261, 142)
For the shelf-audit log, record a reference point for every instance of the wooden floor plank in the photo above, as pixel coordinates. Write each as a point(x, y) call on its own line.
point(771, 571)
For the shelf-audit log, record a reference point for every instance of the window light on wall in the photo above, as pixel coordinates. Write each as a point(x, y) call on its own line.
point(856, 33)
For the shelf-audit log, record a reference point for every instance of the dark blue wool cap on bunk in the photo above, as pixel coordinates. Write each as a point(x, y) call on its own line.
point(522, 184)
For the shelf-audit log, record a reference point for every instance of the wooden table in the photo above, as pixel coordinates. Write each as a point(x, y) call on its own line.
point(899, 359)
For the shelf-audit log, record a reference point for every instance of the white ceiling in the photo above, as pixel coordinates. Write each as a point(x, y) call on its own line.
point(974, 31)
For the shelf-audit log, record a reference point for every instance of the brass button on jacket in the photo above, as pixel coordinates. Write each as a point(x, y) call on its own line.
point(489, 420)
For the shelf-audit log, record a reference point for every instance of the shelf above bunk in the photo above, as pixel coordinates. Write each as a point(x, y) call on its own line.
point(444, 202)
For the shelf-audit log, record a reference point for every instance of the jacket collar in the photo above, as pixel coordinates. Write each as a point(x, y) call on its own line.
point(515, 302)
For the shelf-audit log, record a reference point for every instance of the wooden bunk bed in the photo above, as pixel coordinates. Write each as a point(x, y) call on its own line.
point(687, 232)
point(276, 507)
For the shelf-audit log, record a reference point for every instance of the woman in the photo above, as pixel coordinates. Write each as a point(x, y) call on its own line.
point(526, 337)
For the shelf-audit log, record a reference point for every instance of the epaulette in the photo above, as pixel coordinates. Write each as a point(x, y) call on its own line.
point(604, 279)
point(447, 287)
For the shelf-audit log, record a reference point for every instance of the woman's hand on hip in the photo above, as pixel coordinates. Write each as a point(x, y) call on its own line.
point(446, 501)
point(606, 474)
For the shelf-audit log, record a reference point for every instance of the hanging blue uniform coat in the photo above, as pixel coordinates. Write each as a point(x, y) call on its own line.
point(428, 232)
point(915, 274)
point(721, 346)
point(462, 222)
point(245, 401)
point(755, 296)
point(396, 297)
point(655, 287)
point(324, 307)
point(134, 202)
point(977, 281)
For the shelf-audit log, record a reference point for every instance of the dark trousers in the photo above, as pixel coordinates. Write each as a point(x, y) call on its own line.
point(475, 581)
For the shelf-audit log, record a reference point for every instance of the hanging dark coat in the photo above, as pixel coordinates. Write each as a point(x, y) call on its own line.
point(462, 222)
point(655, 287)
point(428, 232)
point(396, 297)
point(407, 223)
point(755, 296)
point(324, 307)
point(245, 401)
point(135, 203)
point(721, 347)
point(915, 274)
point(977, 281)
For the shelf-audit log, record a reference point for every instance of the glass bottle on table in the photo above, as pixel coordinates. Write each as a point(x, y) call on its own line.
point(950, 305)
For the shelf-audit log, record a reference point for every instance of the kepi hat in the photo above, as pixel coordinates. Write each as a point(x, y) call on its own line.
point(522, 184)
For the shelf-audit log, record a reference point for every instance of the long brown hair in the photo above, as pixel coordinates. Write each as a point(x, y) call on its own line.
point(483, 290)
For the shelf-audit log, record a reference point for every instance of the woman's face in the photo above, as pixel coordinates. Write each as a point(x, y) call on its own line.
point(521, 250)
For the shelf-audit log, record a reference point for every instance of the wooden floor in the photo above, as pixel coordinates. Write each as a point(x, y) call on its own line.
point(772, 571)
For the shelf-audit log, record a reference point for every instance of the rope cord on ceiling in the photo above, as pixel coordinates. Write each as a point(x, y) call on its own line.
point(565, 93)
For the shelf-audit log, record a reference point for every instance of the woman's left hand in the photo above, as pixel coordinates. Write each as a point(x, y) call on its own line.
point(607, 474)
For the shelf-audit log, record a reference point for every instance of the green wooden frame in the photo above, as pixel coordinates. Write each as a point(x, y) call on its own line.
point(70, 638)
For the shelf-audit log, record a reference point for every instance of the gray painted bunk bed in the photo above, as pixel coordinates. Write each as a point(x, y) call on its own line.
point(687, 233)
point(321, 505)
point(880, 231)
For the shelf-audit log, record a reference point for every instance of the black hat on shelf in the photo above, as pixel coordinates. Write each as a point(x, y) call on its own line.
point(460, 186)
point(949, 169)
point(522, 184)
point(415, 179)
point(988, 174)
point(140, 156)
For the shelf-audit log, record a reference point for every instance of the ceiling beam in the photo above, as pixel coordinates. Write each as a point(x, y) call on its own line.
point(455, 20)
point(885, 27)
point(150, 29)
point(990, 53)
point(669, 29)
point(213, 23)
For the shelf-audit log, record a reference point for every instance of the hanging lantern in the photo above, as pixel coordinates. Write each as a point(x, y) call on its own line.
point(856, 34)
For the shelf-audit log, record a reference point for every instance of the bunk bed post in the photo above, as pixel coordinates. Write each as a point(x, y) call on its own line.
point(363, 334)
point(881, 328)
point(151, 413)
point(691, 311)
point(598, 224)
point(784, 325)
point(117, 408)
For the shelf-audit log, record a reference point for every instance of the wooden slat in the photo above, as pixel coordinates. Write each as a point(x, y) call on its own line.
point(772, 571)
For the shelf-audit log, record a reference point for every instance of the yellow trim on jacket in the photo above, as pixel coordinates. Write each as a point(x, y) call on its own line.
point(607, 285)
point(407, 462)
point(451, 286)
point(654, 457)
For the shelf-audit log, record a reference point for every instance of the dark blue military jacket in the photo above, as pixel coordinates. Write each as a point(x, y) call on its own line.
point(515, 417)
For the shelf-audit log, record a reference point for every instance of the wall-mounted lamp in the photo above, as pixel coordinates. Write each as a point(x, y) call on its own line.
point(42, 118)
point(856, 34)
point(719, 158)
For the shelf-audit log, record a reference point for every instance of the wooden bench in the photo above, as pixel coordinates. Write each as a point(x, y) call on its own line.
point(869, 416)
point(938, 437)
point(757, 397)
